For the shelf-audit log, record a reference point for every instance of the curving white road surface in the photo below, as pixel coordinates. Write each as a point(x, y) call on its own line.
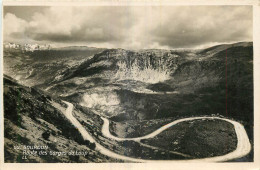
point(243, 144)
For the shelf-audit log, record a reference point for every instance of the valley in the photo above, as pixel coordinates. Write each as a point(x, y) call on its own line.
point(131, 106)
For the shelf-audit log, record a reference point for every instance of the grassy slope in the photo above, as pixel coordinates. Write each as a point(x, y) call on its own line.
point(28, 114)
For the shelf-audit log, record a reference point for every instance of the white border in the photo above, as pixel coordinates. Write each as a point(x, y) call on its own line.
point(165, 166)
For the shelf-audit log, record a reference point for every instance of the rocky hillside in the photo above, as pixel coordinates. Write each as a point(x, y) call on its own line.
point(194, 77)
point(43, 66)
point(30, 119)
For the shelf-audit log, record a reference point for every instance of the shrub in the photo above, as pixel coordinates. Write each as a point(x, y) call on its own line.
point(87, 142)
point(46, 135)
point(92, 146)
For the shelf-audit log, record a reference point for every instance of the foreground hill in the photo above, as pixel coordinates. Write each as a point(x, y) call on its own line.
point(30, 119)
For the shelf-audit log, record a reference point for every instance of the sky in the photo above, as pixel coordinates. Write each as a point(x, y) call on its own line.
point(129, 27)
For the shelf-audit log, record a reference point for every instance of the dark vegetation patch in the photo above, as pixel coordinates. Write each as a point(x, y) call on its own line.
point(137, 128)
point(160, 87)
point(197, 138)
point(137, 150)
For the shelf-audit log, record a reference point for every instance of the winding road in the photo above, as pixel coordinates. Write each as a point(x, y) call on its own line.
point(243, 144)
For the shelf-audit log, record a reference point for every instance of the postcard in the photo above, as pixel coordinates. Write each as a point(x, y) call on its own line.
point(130, 85)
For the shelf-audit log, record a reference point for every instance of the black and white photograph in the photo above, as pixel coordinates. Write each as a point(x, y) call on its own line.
point(128, 84)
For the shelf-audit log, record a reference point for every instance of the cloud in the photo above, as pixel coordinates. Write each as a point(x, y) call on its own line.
point(201, 25)
point(132, 27)
point(13, 26)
